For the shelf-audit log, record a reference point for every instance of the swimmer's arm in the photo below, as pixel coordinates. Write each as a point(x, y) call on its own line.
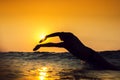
point(52, 35)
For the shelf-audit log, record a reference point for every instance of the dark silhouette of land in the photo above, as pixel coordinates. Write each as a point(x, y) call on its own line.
point(78, 49)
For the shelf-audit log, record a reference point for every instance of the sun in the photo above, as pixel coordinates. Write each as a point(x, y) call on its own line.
point(39, 36)
point(42, 36)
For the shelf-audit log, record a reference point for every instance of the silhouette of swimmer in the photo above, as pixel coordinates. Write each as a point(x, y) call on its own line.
point(78, 49)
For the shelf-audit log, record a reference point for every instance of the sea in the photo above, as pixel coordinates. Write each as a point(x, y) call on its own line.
point(54, 66)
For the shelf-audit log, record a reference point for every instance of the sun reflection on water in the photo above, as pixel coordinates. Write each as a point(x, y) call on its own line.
point(43, 73)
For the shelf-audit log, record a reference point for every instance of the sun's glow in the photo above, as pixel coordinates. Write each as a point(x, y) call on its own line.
point(42, 36)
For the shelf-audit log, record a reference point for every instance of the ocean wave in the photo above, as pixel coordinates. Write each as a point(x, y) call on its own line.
point(112, 56)
point(15, 65)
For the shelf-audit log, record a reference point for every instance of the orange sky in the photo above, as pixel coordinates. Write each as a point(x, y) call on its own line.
point(95, 22)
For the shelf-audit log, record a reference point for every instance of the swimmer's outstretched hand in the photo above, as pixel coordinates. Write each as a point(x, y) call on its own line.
point(42, 40)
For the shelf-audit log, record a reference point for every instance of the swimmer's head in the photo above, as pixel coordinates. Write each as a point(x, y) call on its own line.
point(66, 36)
